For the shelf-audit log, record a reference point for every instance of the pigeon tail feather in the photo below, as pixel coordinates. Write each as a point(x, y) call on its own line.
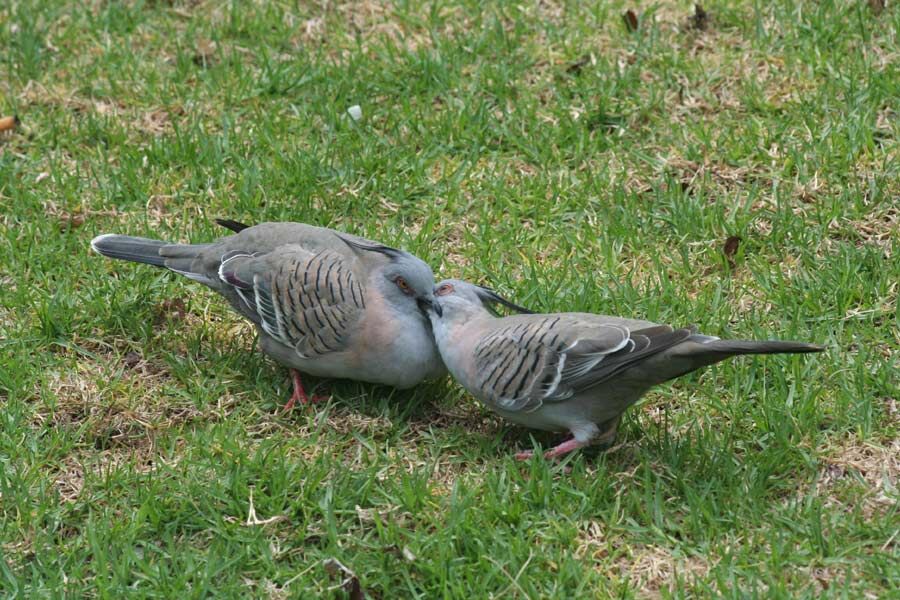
point(126, 247)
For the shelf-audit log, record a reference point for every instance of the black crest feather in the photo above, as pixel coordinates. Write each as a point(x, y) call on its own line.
point(490, 297)
point(391, 253)
point(235, 226)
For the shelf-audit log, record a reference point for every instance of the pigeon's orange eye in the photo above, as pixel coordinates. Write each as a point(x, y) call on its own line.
point(444, 289)
point(404, 287)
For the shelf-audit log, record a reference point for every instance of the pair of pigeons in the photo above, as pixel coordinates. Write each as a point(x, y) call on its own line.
point(335, 305)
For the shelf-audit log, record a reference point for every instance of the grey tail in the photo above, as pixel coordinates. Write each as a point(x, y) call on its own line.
point(727, 348)
point(126, 247)
point(699, 351)
point(235, 226)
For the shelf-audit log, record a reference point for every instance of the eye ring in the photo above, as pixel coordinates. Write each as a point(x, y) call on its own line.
point(443, 290)
point(404, 287)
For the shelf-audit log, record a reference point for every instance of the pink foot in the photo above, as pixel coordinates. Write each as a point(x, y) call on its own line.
point(564, 448)
point(555, 452)
point(299, 394)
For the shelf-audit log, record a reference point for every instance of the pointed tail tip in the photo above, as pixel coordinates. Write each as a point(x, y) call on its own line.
point(777, 346)
point(97, 242)
point(126, 247)
point(811, 348)
point(736, 347)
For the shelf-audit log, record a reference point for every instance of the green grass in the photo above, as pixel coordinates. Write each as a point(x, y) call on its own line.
point(136, 418)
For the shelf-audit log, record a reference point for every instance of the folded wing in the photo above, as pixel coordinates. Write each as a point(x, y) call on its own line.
point(548, 358)
point(309, 301)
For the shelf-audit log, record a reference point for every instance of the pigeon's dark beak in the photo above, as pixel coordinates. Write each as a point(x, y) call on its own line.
point(427, 305)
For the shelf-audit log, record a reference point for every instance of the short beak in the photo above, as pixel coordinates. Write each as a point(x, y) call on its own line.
point(427, 305)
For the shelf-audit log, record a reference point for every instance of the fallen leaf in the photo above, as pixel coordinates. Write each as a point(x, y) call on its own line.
point(171, 308)
point(131, 359)
point(631, 20)
point(8, 123)
point(349, 582)
point(579, 64)
point(731, 248)
point(700, 19)
point(822, 576)
point(731, 245)
point(70, 221)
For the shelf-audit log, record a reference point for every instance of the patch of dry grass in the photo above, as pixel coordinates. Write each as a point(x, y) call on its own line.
point(653, 569)
point(873, 467)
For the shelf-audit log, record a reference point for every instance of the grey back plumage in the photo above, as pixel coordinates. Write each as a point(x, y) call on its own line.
point(527, 360)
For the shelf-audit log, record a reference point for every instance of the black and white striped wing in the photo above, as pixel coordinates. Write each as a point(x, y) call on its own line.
point(549, 358)
point(308, 301)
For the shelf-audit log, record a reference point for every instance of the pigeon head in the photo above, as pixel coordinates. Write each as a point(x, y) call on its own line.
point(455, 299)
point(406, 282)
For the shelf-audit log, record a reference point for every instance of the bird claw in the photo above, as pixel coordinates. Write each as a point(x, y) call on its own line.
point(304, 401)
point(555, 452)
point(300, 395)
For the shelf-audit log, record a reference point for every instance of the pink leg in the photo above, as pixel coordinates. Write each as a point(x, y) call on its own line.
point(564, 448)
point(299, 394)
point(555, 452)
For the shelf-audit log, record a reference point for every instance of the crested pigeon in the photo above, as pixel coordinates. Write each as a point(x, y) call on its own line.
point(325, 303)
point(574, 372)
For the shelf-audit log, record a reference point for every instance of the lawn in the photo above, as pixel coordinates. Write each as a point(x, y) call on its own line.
point(736, 167)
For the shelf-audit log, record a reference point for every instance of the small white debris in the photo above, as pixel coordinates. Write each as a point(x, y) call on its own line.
point(253, 520)
point(313, 26)
point(41, 177)
point(355, 112)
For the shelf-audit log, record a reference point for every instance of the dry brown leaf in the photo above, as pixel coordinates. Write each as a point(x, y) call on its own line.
point(70, 220)
point(700, 19)
point(731, 248)
point(173, 309)
point(9, 123)
point(349, 582)
point(131, 360)
point(579, 64)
